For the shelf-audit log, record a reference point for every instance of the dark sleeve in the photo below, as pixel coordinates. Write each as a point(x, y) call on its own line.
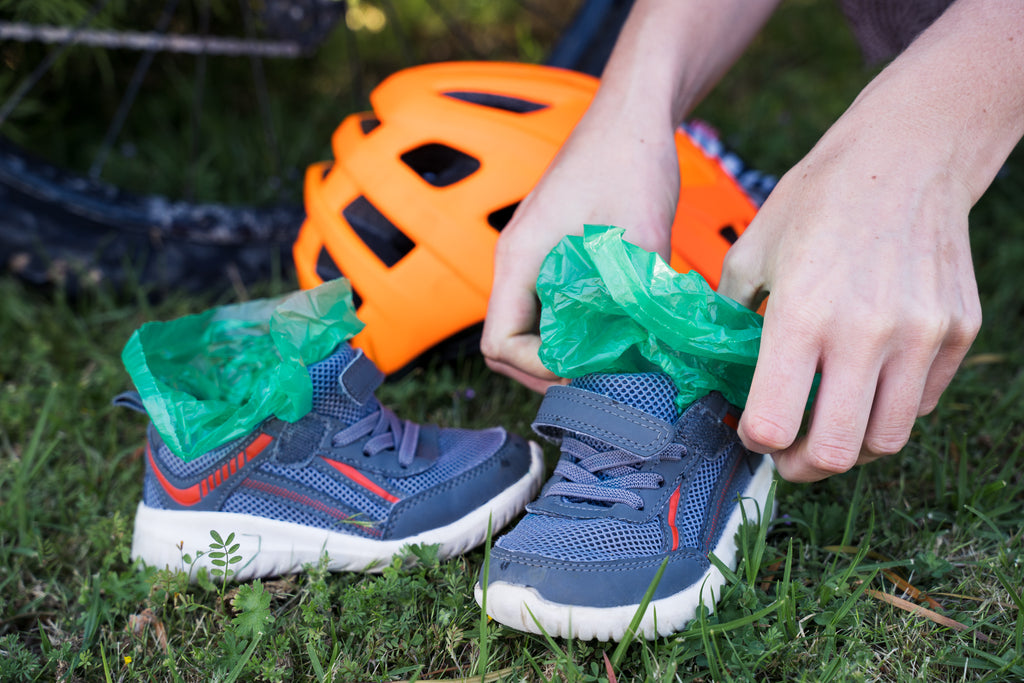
point(884, 28)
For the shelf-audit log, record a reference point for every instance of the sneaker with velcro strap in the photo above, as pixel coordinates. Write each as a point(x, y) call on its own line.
point(639, 485)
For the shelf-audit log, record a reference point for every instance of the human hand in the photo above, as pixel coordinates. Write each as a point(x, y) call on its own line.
point(619, 166)
point(864, 249)
point(614, 169)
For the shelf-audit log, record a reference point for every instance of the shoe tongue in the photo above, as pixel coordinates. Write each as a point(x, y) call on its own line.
point(328, 399)
point(653, 393)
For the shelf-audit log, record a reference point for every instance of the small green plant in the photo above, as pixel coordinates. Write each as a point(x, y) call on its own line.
point(223, 554)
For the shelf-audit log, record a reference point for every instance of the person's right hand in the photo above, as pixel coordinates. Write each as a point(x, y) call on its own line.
point(617, 168)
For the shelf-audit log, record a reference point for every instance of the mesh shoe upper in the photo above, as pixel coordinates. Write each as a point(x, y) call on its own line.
point(348, 466)
point(611, 514)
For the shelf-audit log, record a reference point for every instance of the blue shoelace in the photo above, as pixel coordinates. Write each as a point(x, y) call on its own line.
point(386, 430)
point(609, 476)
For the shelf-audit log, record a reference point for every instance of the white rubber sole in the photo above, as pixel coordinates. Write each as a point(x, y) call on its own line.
point(270, 547)
point(522, 607)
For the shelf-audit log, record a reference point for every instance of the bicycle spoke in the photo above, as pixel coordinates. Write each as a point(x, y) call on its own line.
point(456, 30)
point(262, 96)
point(403, 38)
point(541, 10)
point(19, 93)
point(355, 71)
point(197, 98)
point(129, 97)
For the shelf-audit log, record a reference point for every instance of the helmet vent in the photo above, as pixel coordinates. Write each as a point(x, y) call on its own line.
point(729, 233)
point(327, 269)
point(515, 105)
point(378, 233)
point(368, 123)
point(440, 165)
point(499, 218)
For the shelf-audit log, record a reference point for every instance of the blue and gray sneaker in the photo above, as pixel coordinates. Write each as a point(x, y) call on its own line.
point(350, 479)
point(637, 484)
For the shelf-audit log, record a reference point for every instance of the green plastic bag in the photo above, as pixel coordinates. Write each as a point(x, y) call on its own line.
point(610, 306)
point(209, 378)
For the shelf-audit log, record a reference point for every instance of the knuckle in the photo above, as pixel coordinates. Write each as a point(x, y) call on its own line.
point(739, 266)
point(832, 457)
point(928, 330)
point(494, 365)
point(965, 330)
point(733, 265)
point(489, 348)
point(768, 433)
point(887, 441)
point(928, 404)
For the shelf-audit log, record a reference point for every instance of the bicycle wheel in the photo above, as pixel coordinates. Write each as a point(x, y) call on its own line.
point(115, 201)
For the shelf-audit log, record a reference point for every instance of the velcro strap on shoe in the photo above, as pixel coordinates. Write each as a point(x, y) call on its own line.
point(360, 378)
point(584, 412)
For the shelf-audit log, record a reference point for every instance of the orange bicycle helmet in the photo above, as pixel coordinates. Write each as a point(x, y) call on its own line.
point(411, 207)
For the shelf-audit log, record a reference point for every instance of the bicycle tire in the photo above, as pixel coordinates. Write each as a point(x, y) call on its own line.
point(64, 229)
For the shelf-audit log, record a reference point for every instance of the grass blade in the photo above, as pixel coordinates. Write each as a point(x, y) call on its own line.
point(630, 634)
point(481, 664)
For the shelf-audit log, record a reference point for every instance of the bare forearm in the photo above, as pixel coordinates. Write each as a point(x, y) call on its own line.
point(672, 52)
point(955, 97)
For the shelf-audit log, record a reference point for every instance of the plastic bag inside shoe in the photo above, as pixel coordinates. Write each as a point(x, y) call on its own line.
point(209, 378)
point(609, 306)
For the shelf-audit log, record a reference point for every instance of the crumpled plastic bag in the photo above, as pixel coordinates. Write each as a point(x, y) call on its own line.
point(609, 306)
point(209, 378)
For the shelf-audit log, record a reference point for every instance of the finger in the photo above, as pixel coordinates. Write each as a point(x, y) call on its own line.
point(530, 381)
point(517, 357)
point(947, 361)
point(839, 420)
point(897, 398)
point(511, 309)
point(521, 362)
point(782, 381)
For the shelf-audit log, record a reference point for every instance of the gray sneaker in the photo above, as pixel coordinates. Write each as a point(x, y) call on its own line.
point(350, 479)
point(637, 484)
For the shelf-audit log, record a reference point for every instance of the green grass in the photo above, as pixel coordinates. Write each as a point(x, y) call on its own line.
point(946, 514)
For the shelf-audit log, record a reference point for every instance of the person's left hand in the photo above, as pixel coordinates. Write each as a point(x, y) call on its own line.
point(863, 247)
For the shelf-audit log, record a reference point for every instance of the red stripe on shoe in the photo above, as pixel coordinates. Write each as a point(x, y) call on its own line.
point(673, 507)
point(190, 495)
point(186, 496)
point(359, 478)
point(288, 494)
point(256, 447)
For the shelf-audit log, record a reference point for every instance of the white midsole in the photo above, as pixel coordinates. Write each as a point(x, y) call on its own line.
point(519, 606)
point(270, 547)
